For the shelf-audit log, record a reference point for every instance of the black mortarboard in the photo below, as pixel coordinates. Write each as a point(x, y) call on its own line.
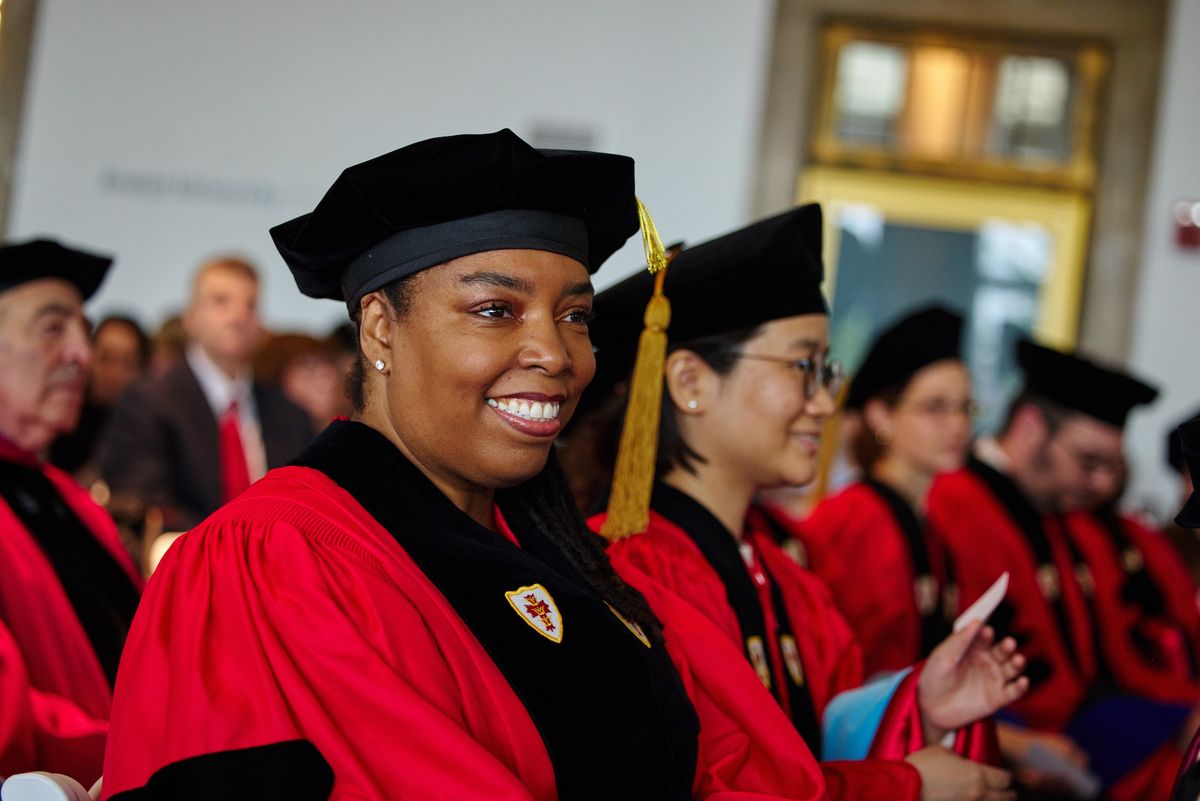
point(1081, 385)
point(1189, 440)
point(929, 335)
point(445, 198)
point(765, 271)
point(45, 258)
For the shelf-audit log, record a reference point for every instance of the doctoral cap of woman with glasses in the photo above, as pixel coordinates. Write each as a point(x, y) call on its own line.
point(721, 292)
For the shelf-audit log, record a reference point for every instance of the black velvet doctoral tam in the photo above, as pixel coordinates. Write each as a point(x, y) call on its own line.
point(449, 197)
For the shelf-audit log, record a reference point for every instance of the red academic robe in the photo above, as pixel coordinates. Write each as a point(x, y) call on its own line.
point(1044, 597)
point(293, 615)
point(1148, 652)
point(829, 658)
point(868, 559)
point(55, 698)
point(988, 533)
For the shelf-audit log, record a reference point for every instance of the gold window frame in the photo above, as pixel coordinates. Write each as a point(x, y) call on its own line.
point(1091, 61)
point(955, 204)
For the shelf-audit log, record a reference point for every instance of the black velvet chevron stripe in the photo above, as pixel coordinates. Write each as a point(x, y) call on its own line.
point(292, 770)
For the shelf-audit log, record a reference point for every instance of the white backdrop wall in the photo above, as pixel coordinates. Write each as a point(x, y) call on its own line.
point(1165, 331)
point(167, 132)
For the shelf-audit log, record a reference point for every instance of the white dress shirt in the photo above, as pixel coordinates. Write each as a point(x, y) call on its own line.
point(220, 390)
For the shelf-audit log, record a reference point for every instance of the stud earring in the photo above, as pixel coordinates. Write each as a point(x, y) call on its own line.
point(379, 365)
point(693, 404)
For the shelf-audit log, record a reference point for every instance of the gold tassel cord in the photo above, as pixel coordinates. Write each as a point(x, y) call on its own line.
point(656, 257)
point(633, 475)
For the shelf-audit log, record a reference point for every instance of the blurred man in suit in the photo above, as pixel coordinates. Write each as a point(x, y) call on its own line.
point(195, 437)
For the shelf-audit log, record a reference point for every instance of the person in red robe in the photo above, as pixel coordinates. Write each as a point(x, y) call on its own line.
point(414, 608)
point(1144, 599)
point(68, 588)
point(871, 543)
point(1144, 604)
point(745, 394)
point(1004, 512)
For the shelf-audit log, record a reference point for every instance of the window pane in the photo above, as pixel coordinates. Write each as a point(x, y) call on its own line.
point(992, 274)
point(1031, 118)
point(870, 91)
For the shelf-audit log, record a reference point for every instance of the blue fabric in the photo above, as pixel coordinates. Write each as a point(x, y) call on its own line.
point(1120, 732)
point(852, 718)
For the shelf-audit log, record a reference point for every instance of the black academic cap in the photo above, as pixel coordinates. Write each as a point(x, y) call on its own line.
point(763, 272)
point(929, 335)
point(45, 258)
point(445, 198)
point(1081, 385)
point(1189, 439)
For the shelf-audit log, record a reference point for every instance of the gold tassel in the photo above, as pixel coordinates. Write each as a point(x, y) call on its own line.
point(633, 476)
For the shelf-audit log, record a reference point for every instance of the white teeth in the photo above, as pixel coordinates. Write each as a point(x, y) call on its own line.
point(523, 408)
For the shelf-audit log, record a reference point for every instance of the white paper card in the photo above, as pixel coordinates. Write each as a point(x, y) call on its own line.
point(985, 604)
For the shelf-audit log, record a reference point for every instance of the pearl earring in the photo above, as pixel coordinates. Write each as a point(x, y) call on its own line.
point(693, 404)
point(379, 365)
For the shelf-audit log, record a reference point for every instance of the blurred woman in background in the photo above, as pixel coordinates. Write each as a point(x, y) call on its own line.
point(870, 543)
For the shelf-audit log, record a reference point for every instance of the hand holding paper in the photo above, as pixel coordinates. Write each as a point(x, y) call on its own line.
point(970, 676)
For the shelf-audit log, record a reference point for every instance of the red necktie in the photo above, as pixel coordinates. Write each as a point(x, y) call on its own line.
point(235, 473)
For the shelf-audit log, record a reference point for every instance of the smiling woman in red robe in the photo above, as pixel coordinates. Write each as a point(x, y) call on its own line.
point(746, 389)
point(414, 609)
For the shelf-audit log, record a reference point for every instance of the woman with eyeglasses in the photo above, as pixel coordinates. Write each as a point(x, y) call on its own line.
point(746, 391)
point(870, 543)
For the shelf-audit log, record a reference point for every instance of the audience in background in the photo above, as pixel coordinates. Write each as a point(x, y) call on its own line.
point(305, 370)
point(196, 436)
point(167, 346)
point(1059, 451)
point(120, 353)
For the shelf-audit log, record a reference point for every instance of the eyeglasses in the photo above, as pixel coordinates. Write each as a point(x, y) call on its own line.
point(814, 372)
point(1092, 463)
point(942, 408)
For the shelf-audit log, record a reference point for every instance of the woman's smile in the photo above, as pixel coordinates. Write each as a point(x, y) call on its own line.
point(809, 441)
point(532, 413)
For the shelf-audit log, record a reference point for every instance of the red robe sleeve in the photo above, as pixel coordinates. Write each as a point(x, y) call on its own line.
point(854, 545)
point(681, 587)
point(1177, 630)
point(1119, 623)
point(831, 645)
point(252, 634)
point(745, 746)
point(55, 696)
point(41, 730)
point(983, 543)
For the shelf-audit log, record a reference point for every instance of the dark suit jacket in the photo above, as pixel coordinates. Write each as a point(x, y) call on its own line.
point(160, 445)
